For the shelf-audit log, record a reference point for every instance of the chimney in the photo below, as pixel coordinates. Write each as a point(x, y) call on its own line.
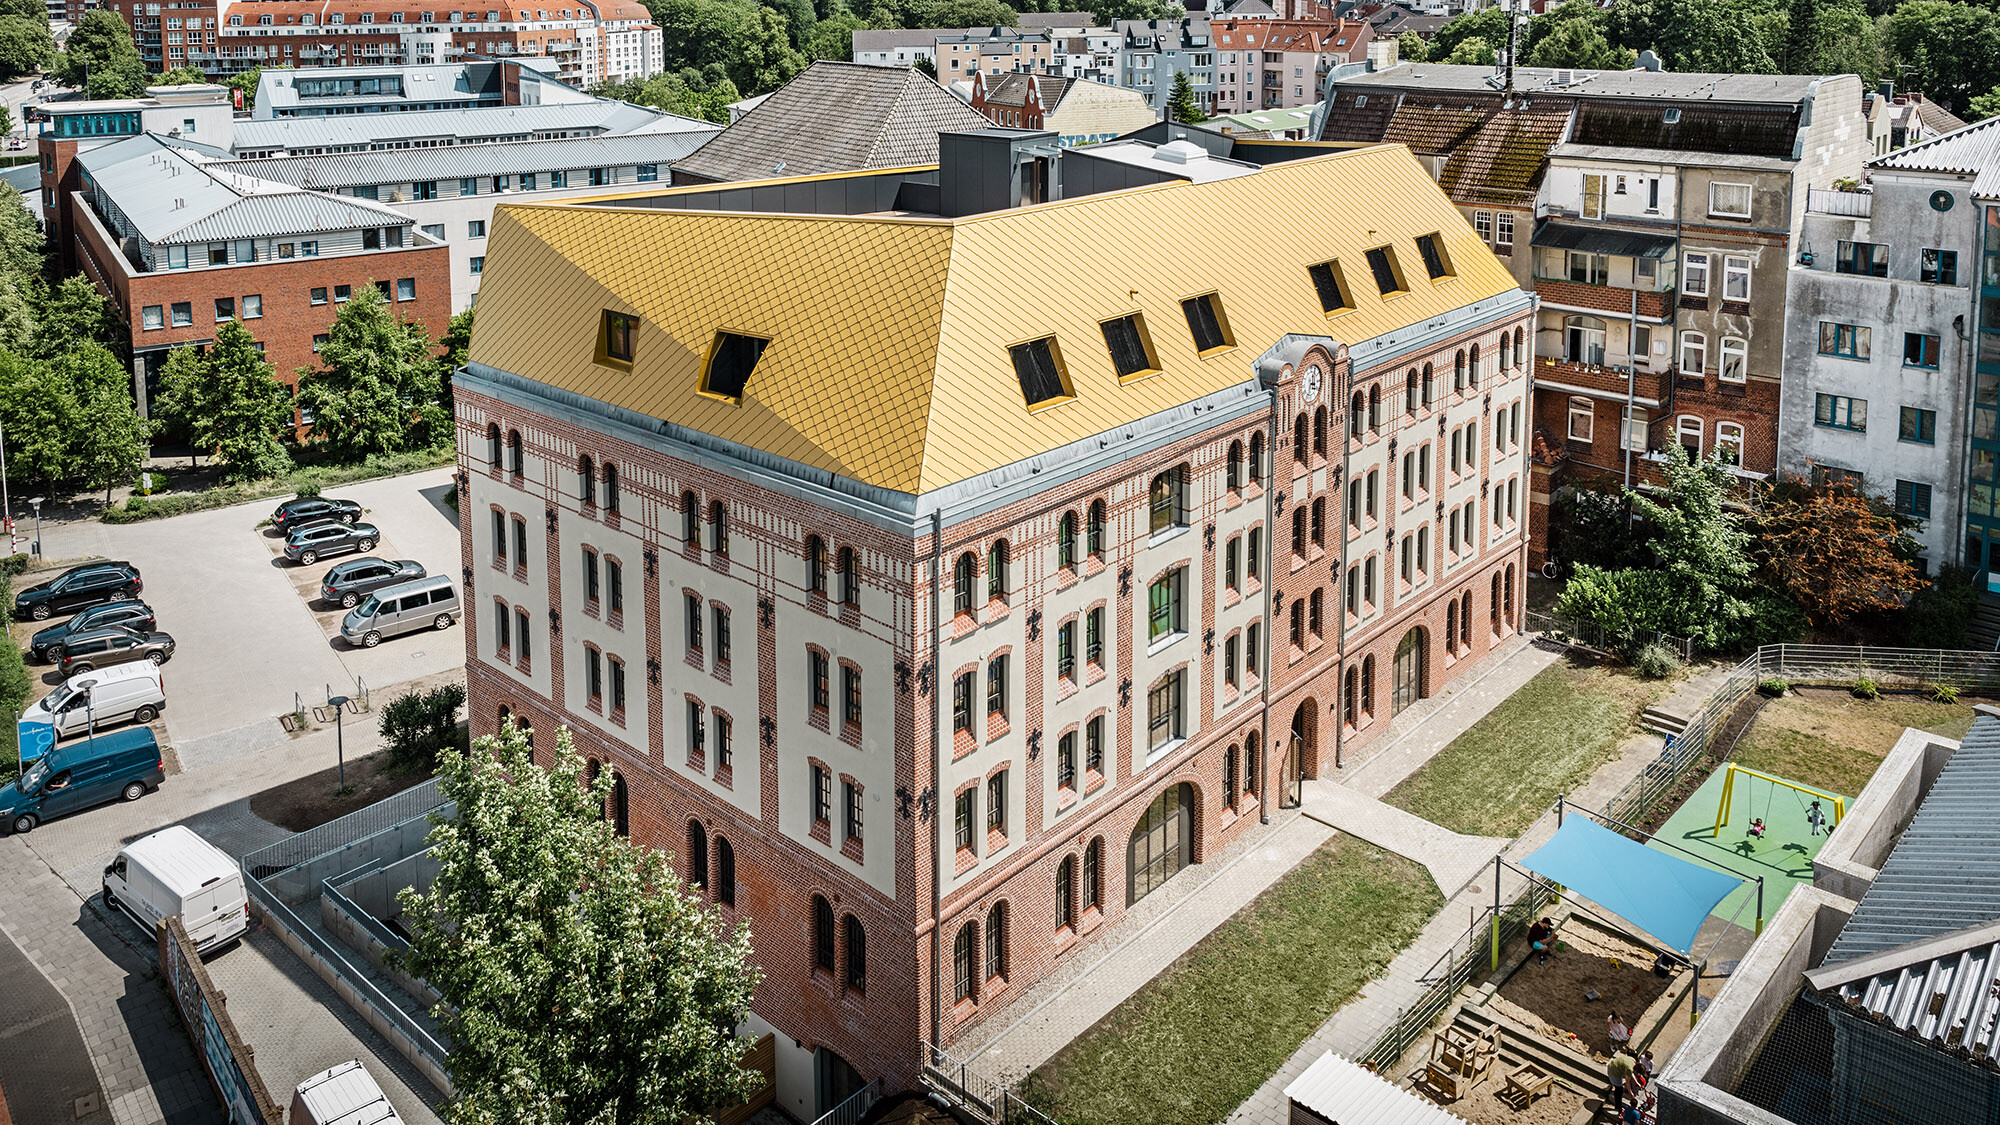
point(1648, 61)
point(1383, 53)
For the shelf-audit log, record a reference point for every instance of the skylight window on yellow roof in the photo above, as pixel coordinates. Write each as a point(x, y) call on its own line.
point(731, 360)
point(1431, 248)
point(1388, 275)
point(1131, 352)
point(615, 339)
point(1205, 322)
point(1331, 284)
point(1038, 364)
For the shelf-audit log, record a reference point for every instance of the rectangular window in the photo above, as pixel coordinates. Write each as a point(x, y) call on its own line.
point(1093, 638)
point(1920, 350)
point(558, 179)
point(731, 360)
point(724, 752)
point(154, 316)
point(253, 306)
point(1848, 341)
point(850, 695)
point(342, 293)
point(1163, 612)
point(435, 230)
point(1204, 317)
point(1918, 425)
point(1840, 412)
point(818, 677)
point(1868, 259)
point(617, 685)
point(1729, 201)
point(850, 801)
point(961, 703)
point(996, 687)
point(521, 635)
point(822, 794)
point(996, 803)
point(1913, 499)
point(476, 265)
point(1593, 195)
point(1125, 337)
point(593, 676)
point(619, 330)
point(692, 602)
point(183, 314)
point(1093, 745)
point(469, 185)
point(503, 621)
point(225, 309)
point(1735, 278)
point(1331, 286)
point(406, 289)
point(590, 584)
point(1482, 225)
point(1938, 267)
point(1581, 412)
point(1066, 761)
point(1430, 247)
point(1040, 373)
point(1251, 636)
point(1066, 650)
point(961, 828)
point(1503, 233)
point(719, 621)
point(475, 228)
point(1163, 712)
point(649, 173)
point(1694, 274)
point(1382, 264)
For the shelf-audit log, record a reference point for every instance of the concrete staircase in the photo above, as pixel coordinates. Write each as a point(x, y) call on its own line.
point(1986, 623)
point(1662, 722)
point(1520, 1044)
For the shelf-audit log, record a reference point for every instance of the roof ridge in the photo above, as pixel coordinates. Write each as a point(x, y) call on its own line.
point(1955, 134)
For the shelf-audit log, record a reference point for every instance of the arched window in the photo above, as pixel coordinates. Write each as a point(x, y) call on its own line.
point(996, 942)
point(1729, 442)
point(610, 488)
point(850, 577)
point(1410, 391)
point(1162, 842)
point(1694, 353)
point(517, 462)
point(1256, 458)
point(1735, 359)
point(493, 443)
point(1430, 384)
point(965, 964)
point(697, 854)
point(1472, 367)
point(1319, 432)
point(1375, 408)
point(1065, 892)
point(1233, 468)
point(1357, 415)
point(691, 519)
point(1093, 874)
point(1458, 371)
point(1094, 531)
point(1368, 686)
point(1506, 350)
point(1066, 540)
point(996, 572)
point(1689, 430)
point(621, 805)
point(1301, 440)
point(1493, 610)
point(963, 573)
point(1583, 339)
point(1520, 348)
point(1252, 751)
point(857, 954)
point(725, 872)
point(1451, 625)
point(1229, 760)
point(1350, 703)
point(815, 565)
point(1507, 602)
point(822, 934)
point(718, 528)
point(1465, 622)
point(586, 480)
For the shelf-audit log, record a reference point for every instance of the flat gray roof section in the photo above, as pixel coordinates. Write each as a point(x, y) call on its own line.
point(1766, 89)
point(463, 125)
point(406, 165)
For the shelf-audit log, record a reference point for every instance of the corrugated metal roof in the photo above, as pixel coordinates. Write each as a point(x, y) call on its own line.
point(395, 166)
point(1943, 991)
point(1973, 150)
point(489, 121)
point(1340, 1091)
point(172, 197)
point(1944, 873)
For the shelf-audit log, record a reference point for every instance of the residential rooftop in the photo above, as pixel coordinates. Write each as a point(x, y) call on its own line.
point(284, 92)
point(1971, 151)
point(361, 132)
point(351, 169)
point(1769, 89)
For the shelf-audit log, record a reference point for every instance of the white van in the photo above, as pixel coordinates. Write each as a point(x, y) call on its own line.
point(344, 1095)
point(102, 697)
point(174, 871)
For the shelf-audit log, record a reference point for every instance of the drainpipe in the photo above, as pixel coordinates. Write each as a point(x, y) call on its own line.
point(1962, 406)
point(937, 767)
point(1264, 658)
point(1631, 375)
point(1340, 590)
point(1674, 313)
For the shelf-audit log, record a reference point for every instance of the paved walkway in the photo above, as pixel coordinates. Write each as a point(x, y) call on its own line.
point(1452, 859)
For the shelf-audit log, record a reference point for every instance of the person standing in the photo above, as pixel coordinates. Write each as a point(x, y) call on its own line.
point(1815, 818)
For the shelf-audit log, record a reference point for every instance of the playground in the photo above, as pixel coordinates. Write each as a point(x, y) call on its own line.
point(1720, 838)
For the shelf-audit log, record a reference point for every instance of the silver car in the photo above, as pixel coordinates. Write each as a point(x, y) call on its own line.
point(404, 608)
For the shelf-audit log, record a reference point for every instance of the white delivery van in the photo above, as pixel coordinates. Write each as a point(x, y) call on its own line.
point(174, 871)
point(345, 1095)
point(102, 697)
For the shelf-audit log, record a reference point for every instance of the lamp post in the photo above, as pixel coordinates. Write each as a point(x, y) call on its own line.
point(339, 705)
point(35, 502)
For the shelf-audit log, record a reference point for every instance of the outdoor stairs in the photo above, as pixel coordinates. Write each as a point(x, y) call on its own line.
point(1986, 623)
point(1520, 1044)
point(1662, 722)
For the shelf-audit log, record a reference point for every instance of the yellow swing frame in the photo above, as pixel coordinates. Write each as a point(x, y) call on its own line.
point(1729, 792)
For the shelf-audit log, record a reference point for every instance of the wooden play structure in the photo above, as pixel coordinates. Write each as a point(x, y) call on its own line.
point(1458, 1061)
point(1525, 1083)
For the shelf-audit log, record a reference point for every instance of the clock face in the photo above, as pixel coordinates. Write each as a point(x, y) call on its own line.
point(1310, 384)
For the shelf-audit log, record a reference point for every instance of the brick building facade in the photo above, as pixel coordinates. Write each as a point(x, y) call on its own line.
point(956, 698)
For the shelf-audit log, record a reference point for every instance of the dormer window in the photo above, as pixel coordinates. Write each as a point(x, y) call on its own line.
point(1331, 285)
point(1382, 263)
point(1205, 323)
point(616, 340)
point(731, 359)
point(1126, 339)
point(1430, 248)
point(1037, 365)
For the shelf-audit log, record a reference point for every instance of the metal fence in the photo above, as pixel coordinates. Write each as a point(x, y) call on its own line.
point(954, 1079)
point(411, 803)
point(850, 1111)
point(1589, 634)
point(1850, 204)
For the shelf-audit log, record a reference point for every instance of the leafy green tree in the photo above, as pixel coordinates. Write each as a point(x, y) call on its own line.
point(974, 13)
point(22, 244)
point(182, 405)
point(687, 94)
point(245, 82)
point(1950, 51)
point(26, 9)
point(1410, 47)
point(1695, 35)
point(251, 408)
point(454, 347)
point(1489, 25)
point(766, 60)
point(108, 442)
point(1472, 52)
point(1182, 103)
point(100, 57)
point(73, 312)
point(375, 384)
point(1831, 37)
point(582, 983)
point(800, 19)
point(833, 36)
point(25, 45)
point(1984, 106)
point(928, 68)
point(38, 410)
point(1105, 11)
point(1578, 44)
point(181, 76)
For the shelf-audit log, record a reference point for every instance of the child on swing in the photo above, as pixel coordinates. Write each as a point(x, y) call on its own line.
point(1816, 819)
point(1757, 828)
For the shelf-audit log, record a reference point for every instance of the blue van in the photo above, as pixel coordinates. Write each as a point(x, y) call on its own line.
point(71, 778)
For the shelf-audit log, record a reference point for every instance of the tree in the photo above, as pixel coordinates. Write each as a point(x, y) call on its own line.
point(1472, 52)
point(1487, 24)
point(1830, 37)
point(833, 37)
point(687, 94)
point(766, 60)
point(245, 82)
point(1950, 51)
point(1695, 35)
point(1182, 103)
point(73, 312)
point(38, 411)
point(25, 46)
point(181, 76)
point(1984, 106)
point(108, 441)
point(800, 19)
point(250, 408)
point(1105, 11)
point(926, 67)
point(100, 58)
point(974, 13)
point(182, 404)
point(1834, 553)
point(1578, 44)
point(375, 383)
point(581, 982)
point(1410, 47)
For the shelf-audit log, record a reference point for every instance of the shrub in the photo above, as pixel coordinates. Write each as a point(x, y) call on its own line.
point(307, 489)
point(1941, 692)
point(301, 482)
point(1939, 615)
point(1864, 688)
point(418, 724)
point(14, 564)
point(1773, 687)
point(1771, 620)
point(1656, 662)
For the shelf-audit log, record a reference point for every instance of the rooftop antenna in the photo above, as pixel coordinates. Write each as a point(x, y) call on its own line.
point(1516, 16)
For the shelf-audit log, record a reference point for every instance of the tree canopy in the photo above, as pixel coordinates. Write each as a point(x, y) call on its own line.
point(376, 389)
point(1834, 552)
point(101, 58)
point(582, 983)
point(25, 45)
point(228, 404)
point(1185, 107)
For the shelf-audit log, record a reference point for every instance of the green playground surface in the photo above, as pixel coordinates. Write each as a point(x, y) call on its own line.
point(1783, 856)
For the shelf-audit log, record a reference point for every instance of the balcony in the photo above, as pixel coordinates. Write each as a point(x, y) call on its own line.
point(1612, 300)
point(1603, 380)
point(1848, 204)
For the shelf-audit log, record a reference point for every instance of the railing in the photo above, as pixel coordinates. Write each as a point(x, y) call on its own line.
point(1589, 634)
point(953, 1079)
point(1852, 204)
point(850, 1111)
point(366, 821)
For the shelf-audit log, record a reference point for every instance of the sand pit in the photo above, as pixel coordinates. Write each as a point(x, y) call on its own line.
point(1551, 996)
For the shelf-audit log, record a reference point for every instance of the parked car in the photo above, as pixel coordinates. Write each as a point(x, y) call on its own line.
point(77, 587)
point(101, 648)
point(90, 701)
point(67, 779)
point(138, 616)
point(314, 509)
point(427, 602)
point(175, 873)
point(309, 544)
point(347, 583)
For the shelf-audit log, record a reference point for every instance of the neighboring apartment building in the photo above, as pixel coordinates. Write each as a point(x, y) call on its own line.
point(591, 41)
point(1153, 51)
point(941, 622)
point(897, 46)
point(1655, 216)
point(480, 84)
point(179, 249)
point(993, 50)
point(1078, 112)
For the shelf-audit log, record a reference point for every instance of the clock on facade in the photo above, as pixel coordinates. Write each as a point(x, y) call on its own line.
point(1309, 385)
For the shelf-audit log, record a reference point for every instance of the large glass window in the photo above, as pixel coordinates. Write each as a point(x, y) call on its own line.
point(1164, 722)
point(1163, 606)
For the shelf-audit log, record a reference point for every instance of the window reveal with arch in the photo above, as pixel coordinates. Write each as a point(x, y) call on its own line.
point(1162, 843)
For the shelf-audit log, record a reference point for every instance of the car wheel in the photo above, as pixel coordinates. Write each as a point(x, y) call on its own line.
point(373, 638)
point(145, 714)
point(349, 601)
point(366, 545)
point(24, 824)
point(39, 613)
point(110, 900)
point(157, 657)
point(134, 791)
point(349, 518)
point(81, 668)
point(55, 655)
point(443, 621)
point(309, 558)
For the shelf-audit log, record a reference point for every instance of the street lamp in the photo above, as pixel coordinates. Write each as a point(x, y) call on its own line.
point(339, 705)
point(35, 502)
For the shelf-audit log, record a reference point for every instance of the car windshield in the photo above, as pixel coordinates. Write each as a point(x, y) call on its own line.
point(58, 697)
point(32, 780)
point(368, 607)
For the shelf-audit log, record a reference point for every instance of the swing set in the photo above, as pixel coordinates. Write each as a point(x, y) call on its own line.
point(1799, 791)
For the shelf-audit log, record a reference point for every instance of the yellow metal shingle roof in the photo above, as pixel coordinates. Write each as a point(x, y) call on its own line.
point(888, 359)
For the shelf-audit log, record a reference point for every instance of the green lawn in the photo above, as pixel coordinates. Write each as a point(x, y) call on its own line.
point(1831, 740)
point(1192, 1045)
point(1544, 740)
